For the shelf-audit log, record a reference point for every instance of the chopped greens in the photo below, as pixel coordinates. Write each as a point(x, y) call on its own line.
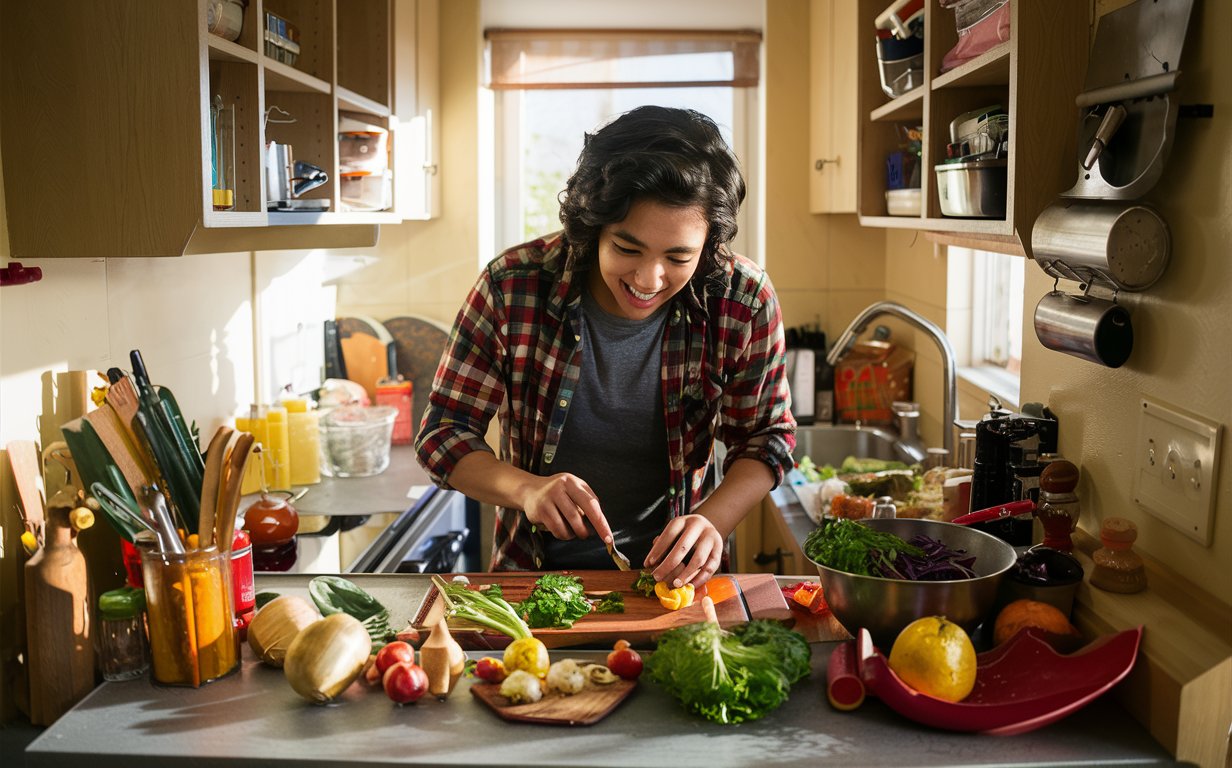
point(846, 545)
point(556, 601)
point(612, 602)
point(730, 677)
point(645, 584)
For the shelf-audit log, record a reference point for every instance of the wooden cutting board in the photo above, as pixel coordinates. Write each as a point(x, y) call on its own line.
point(419, 343)
point(644, 618)
point(365, 351)
point(585, 708)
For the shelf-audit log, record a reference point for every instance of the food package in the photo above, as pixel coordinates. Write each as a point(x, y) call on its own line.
point(869, 379)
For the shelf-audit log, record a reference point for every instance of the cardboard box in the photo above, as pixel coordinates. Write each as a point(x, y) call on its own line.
point(869, 379)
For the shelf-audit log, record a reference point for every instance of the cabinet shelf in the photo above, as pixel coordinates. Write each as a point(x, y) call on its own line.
point(350, 101)
point(1035, 76)
point(127, 166)
point(280, 77)
point(225, 50)
point(909, 106)
point(991, 67)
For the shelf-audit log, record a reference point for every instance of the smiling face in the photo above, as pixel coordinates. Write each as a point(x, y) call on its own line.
point(646, 259)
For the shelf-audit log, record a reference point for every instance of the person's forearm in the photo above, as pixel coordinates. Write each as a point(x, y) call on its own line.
point(483, 477)
point(745, 484)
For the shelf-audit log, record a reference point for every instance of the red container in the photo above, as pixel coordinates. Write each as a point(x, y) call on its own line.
point(242, 587)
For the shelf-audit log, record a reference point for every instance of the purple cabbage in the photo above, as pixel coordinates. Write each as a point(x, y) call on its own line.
point(937, 563)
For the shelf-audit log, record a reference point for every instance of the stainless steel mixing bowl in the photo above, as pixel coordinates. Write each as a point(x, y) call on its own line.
point(885, 606)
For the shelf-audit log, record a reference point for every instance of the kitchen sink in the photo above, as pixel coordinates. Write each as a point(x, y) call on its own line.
point(831, 443)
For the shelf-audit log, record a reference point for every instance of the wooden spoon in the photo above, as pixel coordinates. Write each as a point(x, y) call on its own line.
point(214, 456)
point(229, 496)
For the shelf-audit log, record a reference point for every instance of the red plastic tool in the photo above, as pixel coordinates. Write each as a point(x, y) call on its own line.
point(1021, 685)
point(1024, 507)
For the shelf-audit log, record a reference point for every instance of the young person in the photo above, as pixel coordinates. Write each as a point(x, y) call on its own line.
point(614, 354)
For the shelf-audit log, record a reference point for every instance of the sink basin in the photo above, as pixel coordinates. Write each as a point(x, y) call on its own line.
point(831, 443)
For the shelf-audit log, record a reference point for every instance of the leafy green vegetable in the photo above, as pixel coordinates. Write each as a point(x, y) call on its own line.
point(852, 465)
point(644, 583)
point(730, 677)
point(846, 545)
point(813, 473)
point(483, 608)
point(612, 602)
point(334, 594)
point(556, 601)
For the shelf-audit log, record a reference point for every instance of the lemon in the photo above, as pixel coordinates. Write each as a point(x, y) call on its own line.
point(528, 654)
point(935, 656)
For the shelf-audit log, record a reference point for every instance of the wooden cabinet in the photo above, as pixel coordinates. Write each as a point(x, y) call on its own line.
point(833, 111)
point(1035, 76)
point(107, 129)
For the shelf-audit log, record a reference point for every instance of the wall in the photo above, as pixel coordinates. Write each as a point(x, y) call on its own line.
point(1181, 325)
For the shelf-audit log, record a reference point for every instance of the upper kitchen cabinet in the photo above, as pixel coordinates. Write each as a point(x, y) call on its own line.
point(833, 106)
point(1033, 77)
point(199, 126)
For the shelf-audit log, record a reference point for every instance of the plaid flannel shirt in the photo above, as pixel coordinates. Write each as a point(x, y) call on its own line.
point(514, 352)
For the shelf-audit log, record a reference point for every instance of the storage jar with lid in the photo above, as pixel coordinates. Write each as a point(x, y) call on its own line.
point(123, 653)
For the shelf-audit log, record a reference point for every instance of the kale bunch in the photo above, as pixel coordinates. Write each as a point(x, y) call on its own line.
point(556, 601)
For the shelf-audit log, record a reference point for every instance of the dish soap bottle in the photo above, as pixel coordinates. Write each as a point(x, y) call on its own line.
point(1117, 567)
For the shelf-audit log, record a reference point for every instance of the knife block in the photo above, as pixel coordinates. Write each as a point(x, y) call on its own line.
point(58, 641)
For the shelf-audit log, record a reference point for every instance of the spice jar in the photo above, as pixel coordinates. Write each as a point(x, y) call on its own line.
point(122, 650)
point(1058, 508)
point(1118, 568)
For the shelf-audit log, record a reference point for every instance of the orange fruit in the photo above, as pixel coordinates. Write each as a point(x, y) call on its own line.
point(935, 656)
point(1033, 613)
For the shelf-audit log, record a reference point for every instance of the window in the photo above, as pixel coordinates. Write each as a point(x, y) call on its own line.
point(993, 357)
point(553, 86)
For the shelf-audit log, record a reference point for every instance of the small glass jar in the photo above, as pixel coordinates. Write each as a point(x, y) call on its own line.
point(123, 653)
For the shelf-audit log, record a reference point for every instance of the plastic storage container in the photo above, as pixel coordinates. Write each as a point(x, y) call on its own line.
point(901, 64)
point(355, 440)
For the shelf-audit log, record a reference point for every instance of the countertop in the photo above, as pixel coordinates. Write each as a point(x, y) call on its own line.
point(255, 716)
point(393, 490)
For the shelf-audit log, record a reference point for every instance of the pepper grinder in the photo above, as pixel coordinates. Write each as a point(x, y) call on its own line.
point(1058, 508)
point(1117, 567)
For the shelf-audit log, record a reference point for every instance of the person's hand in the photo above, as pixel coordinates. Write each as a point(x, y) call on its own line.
point(670, 556)
point(562, 504)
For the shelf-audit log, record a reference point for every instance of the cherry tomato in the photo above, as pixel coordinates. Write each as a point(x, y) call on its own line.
point(626, 663)
point(393, 653)
point(405, 682)
point(490, 670)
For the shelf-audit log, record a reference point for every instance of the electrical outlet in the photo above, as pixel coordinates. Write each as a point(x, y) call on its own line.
point(1176, 455)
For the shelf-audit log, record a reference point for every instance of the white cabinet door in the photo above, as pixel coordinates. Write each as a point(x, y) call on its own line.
point(416, 127)
point(832, 106)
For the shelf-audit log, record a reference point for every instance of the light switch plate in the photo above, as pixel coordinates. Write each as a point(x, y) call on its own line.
point(1176, 457)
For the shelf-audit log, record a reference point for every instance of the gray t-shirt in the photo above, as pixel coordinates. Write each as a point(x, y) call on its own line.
point(615, 438)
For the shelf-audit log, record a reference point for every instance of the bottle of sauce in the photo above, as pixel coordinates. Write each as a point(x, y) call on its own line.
point(1058, 507)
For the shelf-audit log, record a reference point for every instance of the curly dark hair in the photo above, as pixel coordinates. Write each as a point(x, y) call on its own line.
point(670, 156)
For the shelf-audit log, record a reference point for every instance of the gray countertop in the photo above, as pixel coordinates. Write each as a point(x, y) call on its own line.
point(389, 491)
point(255, 717)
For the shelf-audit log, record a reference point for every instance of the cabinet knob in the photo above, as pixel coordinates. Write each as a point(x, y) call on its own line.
point(819, 165)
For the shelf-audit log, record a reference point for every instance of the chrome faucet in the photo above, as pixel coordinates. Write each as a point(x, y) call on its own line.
point(857, 326)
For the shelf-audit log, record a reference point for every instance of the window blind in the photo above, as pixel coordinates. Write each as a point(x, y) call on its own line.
point(530, 59)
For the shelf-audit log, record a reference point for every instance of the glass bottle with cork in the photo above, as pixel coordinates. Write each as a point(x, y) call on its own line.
point(1058, 507)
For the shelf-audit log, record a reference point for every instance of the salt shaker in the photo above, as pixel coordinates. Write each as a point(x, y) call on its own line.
point(1117, 567)
point(123, 653)
point(884, 508)
point(1058, 507)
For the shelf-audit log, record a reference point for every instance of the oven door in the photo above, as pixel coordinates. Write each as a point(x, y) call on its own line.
point(430, 537)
